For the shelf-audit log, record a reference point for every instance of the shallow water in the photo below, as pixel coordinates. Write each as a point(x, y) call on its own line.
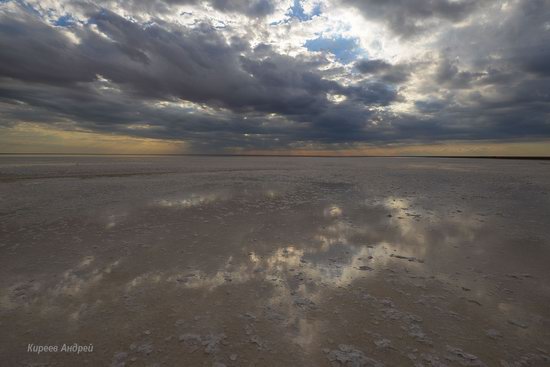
point(251, 261)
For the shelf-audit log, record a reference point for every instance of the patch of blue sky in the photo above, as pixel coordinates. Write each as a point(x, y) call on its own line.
point(297, 11)
point(345, 50)
point(65, 21)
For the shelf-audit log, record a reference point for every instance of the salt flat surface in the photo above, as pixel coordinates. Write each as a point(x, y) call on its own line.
point(251, 261)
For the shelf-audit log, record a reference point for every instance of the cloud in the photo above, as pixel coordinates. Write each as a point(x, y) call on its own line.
point(251, 8)
point(344, 49)
point(385, 71)
point(234, 78)
point(408, 18)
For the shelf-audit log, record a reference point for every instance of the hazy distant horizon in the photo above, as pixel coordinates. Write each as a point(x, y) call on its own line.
point(543, 157)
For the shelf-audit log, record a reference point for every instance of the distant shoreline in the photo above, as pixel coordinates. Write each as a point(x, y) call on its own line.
point(281, 155)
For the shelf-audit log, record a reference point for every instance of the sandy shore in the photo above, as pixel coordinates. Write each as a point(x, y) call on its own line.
point(210, 261)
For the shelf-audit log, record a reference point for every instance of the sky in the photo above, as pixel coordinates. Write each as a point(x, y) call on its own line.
point(303, 77)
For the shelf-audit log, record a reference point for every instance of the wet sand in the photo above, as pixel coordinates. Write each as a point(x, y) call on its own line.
point(251, 261)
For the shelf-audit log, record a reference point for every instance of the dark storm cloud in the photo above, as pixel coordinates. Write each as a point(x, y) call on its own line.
point(517, 41)
point(217, 90)
point(44, 69)
point(33, 51)
point(255, 8)
point(431, 105)
point(192, 64)
point(250, 8)
point(499, 85)
point(525, 38)
point(448, 74)
point(104, 110)
point(410, 17)
point(384, 70)
point(372, 66)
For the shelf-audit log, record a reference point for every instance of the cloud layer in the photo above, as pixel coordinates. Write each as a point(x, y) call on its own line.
point(231, 75)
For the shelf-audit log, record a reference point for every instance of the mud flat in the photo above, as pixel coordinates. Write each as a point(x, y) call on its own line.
point(236, 261)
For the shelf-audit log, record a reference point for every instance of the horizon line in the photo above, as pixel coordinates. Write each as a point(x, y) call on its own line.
point(289, 155)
